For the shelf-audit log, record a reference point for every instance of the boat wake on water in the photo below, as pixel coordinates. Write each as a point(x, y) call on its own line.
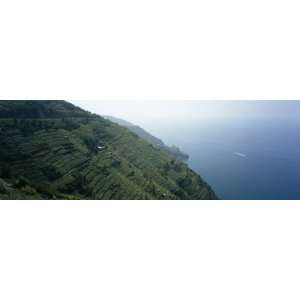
point(240, 154)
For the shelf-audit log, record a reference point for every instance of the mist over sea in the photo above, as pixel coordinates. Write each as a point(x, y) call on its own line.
point(241, 159)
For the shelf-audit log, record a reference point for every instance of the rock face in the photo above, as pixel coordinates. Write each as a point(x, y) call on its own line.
point(55, 150)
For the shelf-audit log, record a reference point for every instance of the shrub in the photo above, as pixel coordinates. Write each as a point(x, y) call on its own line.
point(5, 171)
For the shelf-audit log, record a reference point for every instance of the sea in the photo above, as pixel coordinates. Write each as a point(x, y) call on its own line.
point(257, 159)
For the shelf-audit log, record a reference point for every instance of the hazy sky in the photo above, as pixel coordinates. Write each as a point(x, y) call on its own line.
point(145, 112)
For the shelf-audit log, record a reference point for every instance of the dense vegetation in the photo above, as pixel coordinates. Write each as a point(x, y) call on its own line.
point(156, 142)
point(55, 150)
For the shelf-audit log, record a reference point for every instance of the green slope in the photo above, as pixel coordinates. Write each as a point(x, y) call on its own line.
point(142, 133)
point(54, 150)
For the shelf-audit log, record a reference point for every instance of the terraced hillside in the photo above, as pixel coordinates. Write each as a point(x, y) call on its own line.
point(54, 150)
point(142, 133)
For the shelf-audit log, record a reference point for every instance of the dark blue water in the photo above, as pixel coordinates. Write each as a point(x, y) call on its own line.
point(251, 159)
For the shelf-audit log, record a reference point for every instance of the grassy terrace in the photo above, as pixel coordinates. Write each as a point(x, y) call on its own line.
point(58, 157)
